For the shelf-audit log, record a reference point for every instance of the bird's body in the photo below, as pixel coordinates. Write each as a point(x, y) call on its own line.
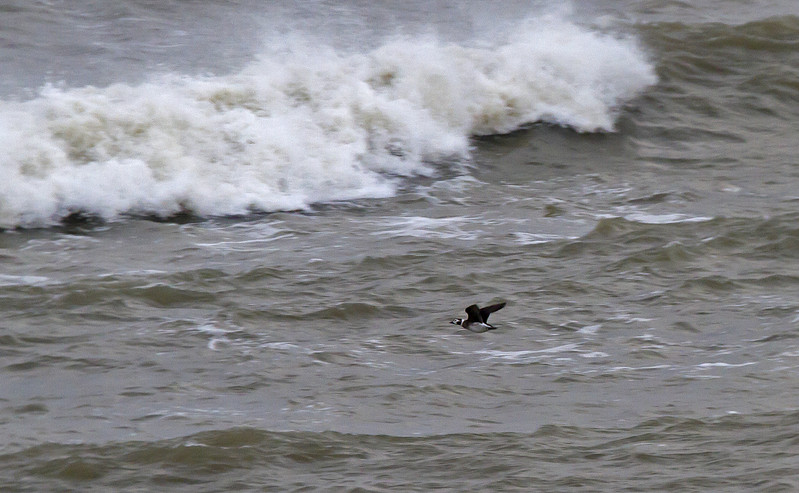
point(478, 318)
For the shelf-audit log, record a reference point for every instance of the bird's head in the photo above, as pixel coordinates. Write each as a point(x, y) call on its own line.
point(456, 321)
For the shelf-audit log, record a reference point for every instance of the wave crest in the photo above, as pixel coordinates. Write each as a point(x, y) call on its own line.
point(302, 126)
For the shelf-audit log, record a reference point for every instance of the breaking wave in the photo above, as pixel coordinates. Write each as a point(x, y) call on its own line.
point(301, 125)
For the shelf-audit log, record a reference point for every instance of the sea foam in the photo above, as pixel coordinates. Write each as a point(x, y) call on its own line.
point(301, 125)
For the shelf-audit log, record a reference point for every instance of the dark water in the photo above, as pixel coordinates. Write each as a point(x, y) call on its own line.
point(253, 289)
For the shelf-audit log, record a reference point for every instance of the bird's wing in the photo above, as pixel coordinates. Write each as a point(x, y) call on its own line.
point(485, 312)
point(474, 313)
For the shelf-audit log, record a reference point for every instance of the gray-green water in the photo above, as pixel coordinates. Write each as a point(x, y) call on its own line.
point(649, 343)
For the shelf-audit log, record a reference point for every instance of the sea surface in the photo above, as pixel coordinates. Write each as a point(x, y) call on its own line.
point(233, 234)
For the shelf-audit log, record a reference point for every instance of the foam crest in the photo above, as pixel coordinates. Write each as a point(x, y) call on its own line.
point(301, 125)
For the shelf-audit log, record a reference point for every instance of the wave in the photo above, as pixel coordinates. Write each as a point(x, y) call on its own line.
point(776, 34)
point(641, 456)
point(300, 125)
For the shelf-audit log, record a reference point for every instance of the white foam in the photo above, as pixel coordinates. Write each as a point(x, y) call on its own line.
point(590, 329)
point(218, 343)
point(637, 368)
point(427, 227)
point(284, 346)
point(213, 329)
point(9, 280)
point(525, 238)
point(595, 354)
point(725, 365)
point(524, 355)
point(302, 125)
point(641, 217)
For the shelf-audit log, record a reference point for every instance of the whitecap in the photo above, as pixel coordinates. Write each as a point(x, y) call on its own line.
point(427, 227)
point(10, 280)
point(590, 329)
point(537, 238)
point(595, 354)
point(302, 125)
point(725, 365)
point(213, 329)
point(641, 217)
point(526, 355)
point(216, 343)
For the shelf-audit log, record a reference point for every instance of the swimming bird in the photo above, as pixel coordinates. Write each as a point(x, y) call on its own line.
point(478, 318)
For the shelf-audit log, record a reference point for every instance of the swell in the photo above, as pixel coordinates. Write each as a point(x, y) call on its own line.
point(758, 56)
point(735, 451)
point(724, 91)
point(771, 35)
point(730, 260)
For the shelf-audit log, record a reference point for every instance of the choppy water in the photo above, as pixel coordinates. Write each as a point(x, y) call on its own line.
point(231, 254)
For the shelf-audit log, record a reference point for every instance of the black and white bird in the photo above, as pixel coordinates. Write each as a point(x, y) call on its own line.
point(478, 318)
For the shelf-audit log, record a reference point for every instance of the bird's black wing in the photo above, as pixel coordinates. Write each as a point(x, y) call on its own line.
point(485, 312)
point(475, 313)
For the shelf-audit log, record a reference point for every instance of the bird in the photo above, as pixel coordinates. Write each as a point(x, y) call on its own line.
point(478, 318)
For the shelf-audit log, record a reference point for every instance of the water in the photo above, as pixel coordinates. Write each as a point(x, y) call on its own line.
point(235, 232)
